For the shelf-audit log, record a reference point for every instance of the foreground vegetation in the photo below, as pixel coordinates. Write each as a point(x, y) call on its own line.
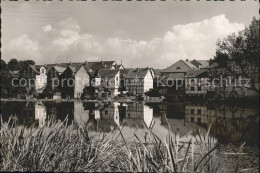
point(62, 147)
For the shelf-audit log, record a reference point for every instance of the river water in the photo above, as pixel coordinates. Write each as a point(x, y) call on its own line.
point(229, 124)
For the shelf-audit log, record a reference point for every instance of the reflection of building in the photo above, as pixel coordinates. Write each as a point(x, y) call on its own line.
point(107, 117)
point(173, 109)
point(137, 114)
point(231, 124)
point(81, 115)
point(40, 113)
point(200, 114)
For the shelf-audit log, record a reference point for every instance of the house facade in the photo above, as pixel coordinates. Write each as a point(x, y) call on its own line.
point(139, 81)
point(34, 78)
point(172, 79)
point(109, 79)
point(196, 83)
point(73, 81)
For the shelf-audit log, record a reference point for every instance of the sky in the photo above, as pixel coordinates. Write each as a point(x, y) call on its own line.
point(141, 34)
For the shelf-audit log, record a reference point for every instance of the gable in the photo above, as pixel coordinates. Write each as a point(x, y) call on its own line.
point(180, 66)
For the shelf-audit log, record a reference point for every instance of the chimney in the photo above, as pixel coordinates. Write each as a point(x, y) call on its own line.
point(187, 60)
point(102, 62)
point(137, 69)
point(86, 62)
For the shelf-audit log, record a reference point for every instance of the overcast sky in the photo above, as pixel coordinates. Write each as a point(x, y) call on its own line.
point(154, 34)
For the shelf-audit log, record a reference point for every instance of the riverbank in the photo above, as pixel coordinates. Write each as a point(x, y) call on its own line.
point(62, 147)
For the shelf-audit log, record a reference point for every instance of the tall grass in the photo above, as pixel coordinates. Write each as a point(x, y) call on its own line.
point(61, 147)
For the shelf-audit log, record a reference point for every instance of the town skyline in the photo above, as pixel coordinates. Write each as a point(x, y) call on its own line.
point(84, 34)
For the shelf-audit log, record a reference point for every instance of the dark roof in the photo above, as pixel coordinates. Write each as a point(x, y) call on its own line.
point(107, 72)
point(196, 73)
point(157, 71)
point(34, 68)
point(139, 73)
point(213, 65)
point(118, 66)
point(180, 66)
point(203, 63)
point(100, 65)
point(57, 68)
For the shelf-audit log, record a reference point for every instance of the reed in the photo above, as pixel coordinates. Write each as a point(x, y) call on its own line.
point(61, 147)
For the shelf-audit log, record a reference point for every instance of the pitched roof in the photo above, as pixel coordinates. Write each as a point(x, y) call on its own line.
point(34, 68)
point(59, 69)
point(196, 73)
point(180, 66)
point(157, 71)
point(213, 65)
point(118, 66)
point(101, 65)
point(204, 63)
point(107, 72)
point(139, 73)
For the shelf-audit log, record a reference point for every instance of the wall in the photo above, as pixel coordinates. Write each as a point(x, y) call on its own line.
point(81, 81)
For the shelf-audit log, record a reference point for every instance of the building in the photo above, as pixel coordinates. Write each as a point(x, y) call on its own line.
point(139, 81)
point(110, 79)
point(73, 80)
point(171, 83)
point(180, 67)
point(200, 63)
point(34, 77)
point(196, 82)
point(53, 75)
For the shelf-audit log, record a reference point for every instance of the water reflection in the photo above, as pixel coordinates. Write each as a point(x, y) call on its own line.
point(230, 124)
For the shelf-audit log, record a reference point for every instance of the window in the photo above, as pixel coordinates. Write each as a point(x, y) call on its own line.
point(106, 112)
point(199, 88)
point(192, 88)
point(192, 119)
point(192, 111)
point(199, 120)
point(199, 111)
point(42, 71)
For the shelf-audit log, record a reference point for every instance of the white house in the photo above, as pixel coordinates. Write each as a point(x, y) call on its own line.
point(139, 81)
point(41, 80)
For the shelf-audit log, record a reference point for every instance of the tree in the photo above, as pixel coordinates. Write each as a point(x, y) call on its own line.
point(242, 49)
point(23, 64)
point(13, 65)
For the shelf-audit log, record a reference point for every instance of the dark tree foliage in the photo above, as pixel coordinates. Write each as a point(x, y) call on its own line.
point(13, 65)
point(242, 49)
point(23, 64)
